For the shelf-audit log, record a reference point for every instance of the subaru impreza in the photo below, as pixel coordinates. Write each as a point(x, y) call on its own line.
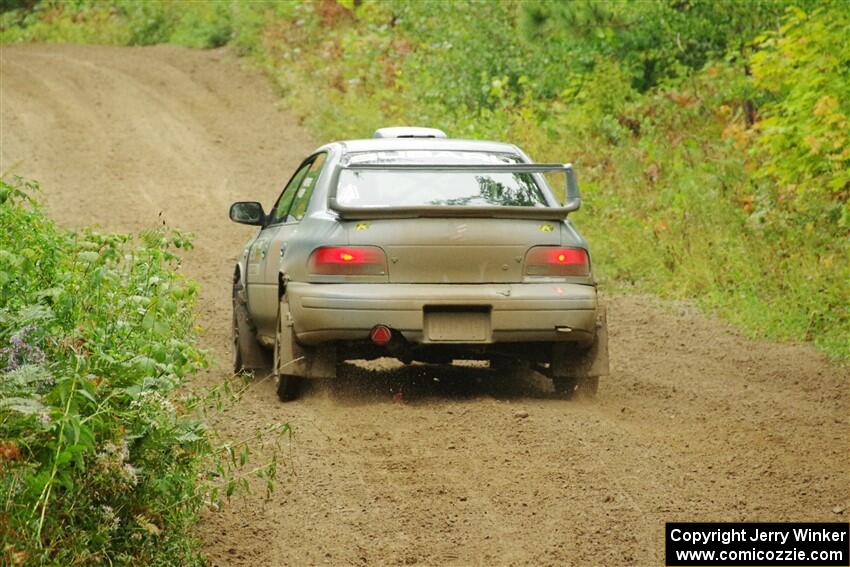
point(423, 248)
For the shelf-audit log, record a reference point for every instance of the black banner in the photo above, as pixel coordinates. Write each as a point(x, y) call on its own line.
point(744, 544)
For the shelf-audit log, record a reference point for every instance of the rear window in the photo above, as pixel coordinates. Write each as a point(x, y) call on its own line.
point(377, 188)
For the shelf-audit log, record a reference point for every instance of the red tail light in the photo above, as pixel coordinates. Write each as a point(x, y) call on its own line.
point(557, 261)
point(381, 335)
point(348, 261)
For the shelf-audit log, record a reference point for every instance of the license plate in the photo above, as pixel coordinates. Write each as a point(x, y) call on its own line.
point(457, 326)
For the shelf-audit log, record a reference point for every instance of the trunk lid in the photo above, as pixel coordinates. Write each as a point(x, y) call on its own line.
point(454, 250)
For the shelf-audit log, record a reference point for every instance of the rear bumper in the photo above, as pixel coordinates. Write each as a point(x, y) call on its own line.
point(520, 312)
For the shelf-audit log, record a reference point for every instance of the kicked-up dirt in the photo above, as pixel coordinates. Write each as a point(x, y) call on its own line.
point(425, 465)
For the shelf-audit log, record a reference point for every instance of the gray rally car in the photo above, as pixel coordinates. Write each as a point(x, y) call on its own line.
point(415, 246)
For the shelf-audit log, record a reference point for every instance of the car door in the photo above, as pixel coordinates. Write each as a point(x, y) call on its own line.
point(270, 246)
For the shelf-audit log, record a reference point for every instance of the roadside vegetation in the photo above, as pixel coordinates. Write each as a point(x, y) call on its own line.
point(101, 461)
point(713, 145)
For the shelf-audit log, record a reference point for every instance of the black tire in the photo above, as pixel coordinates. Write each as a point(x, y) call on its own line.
point(288, 387)
point(569, 387)
point(505, 367)
point(236, 358)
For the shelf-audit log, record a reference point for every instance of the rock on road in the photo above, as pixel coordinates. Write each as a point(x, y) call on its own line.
point(696, 421)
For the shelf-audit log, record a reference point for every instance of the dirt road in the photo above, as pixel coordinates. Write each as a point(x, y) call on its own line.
point(695, 423)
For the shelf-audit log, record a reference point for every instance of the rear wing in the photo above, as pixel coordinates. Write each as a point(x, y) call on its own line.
point(572, 203)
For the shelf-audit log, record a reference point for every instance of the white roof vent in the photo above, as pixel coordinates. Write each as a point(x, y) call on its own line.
point(408, 132)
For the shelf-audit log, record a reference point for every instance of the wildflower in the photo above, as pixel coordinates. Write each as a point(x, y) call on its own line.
point(109, 449)
point(20, 351)
point(147, 525)
point(9, 451)
point(16, 557)
point(74, 344)
point(130, 473)
point(109, 515)
point(153, 400)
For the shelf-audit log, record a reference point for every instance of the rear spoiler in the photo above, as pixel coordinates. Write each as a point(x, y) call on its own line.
point(573, 201)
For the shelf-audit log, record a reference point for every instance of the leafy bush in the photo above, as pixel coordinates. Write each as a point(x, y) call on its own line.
point(99, 461)
point(803, 139)
point(78, 21)
point(652, 40)
point(122, 22)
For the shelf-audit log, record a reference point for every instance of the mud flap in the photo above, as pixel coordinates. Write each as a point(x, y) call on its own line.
point(252, 355)
point(295, 359)
point(584, 363)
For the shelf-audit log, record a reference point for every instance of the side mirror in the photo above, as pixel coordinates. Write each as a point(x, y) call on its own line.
point(248, 212)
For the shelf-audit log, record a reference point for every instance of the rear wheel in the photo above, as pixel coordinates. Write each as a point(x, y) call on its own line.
point(507, 367)
point(234, 344)
point(288, 387)
point(577, 368)
point(569, 387)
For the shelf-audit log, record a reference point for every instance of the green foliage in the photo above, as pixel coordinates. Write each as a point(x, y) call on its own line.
point(95, 330)
point(674, 208)
point(193, 24)
point(476, 70)
point(653, 40)
point(100, 462)
point(123, 22)
point(78, 21)
point(803, 141)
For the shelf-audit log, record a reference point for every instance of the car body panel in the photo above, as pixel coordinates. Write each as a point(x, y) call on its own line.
point(517, 312)
point(431, 250)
